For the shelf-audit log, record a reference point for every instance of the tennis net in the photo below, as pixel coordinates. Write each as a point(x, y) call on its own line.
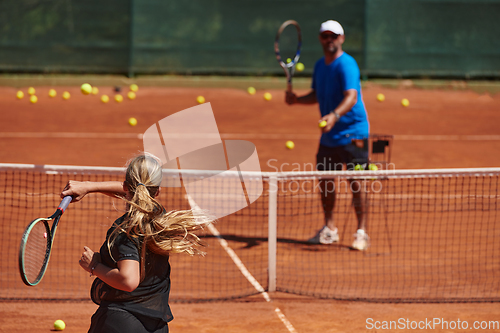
point(433, 236)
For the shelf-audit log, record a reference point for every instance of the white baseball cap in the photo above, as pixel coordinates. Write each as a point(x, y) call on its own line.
point(332, 26)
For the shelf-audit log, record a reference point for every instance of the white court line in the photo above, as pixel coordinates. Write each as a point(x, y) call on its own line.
point(247, 136)
point(243, 269)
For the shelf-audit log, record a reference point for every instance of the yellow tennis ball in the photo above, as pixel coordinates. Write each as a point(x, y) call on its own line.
point(200, 99)
point(104, 98)
point(132, 121)
point(59, 325)
point(86, 88)
point(131, 95)
point(31, 91)
point(380, 97)
point(251, 90)
point(118, 98)
point(66, 95)
point(358, 167)
point(33, 99)
point(134, 87)
point(289, 144)
point(20, 95)
point(322, 124)
point(95, 90)
point(300, 67)
point(288, 60)
point(268, 96)
point(373, 167)
point(405, 102)
point(52, 93)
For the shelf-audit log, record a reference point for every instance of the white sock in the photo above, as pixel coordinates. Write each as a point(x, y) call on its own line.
point(361, 231)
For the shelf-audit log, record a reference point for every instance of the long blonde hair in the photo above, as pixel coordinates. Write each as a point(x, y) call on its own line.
point(146, 220)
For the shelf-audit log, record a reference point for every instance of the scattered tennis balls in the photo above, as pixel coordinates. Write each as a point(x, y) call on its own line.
point(133, 87)
point(31, 91)
point(322, 124)
point(300, 67)
point(52, 93)
point(59, 325)
point(268, 96)
point(33, 99)
point(380, 97)
point(118, 98)
point(66, 95)
point(289, 144)
point(373, 167)
point(20, 94)
point(131, 95)
point(200, 99)
point(405, 102)
point(86, 88)
point(288, 60)
point(132, 121)
point(95, 90)
point(104, 98)
point(251, 90)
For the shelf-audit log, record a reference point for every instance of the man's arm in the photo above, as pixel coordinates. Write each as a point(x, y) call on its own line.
point(291, 98)
point(350, 99)
point(79, 189)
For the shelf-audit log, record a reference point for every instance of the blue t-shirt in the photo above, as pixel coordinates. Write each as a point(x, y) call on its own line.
point(329, 83)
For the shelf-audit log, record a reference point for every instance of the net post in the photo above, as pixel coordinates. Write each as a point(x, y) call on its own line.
point(272, 233)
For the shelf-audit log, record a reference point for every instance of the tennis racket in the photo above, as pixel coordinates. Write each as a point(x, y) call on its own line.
point(287, 48)
point(36, 245)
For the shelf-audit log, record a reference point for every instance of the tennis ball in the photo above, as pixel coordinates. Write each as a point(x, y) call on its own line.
point(405, 102)
point(104, 98)
point(358, 167)
point(300, 67)
point(373, 167)
point(131, 95)
point(322, 124)
point(380, 97)
point(289, 144)
point(288, 60)
point(59, 325)
point(118, 98)
point(268, 96)
point(95, 90)
point(251, 90)
point(132, 121)
point(52, 93)
point(31, 91)
point(33, 99)
point(134, 87)
point(86, 88)
point(200, 99)
point(20, 94)
point(66, 95)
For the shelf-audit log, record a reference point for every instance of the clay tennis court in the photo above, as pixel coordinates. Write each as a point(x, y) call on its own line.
point(440, 129)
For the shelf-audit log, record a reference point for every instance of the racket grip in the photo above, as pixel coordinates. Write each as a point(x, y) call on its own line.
point(65, 202)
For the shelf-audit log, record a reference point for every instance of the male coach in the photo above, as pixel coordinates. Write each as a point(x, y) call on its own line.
point(336, 87)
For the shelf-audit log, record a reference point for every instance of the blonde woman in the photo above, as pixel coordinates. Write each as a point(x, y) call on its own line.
point(132, 269)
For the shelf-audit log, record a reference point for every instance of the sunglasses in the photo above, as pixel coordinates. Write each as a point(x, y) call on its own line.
point(326, 36)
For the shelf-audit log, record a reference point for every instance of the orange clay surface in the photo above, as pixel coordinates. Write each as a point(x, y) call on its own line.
point(439, 129)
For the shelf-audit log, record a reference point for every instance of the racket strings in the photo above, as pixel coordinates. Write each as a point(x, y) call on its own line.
point(35, 251)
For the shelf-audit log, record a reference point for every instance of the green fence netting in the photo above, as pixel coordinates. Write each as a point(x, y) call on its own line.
point(386, 37)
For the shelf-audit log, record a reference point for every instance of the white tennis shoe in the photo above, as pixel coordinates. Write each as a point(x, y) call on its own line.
point(361, 240)
point(325, 236)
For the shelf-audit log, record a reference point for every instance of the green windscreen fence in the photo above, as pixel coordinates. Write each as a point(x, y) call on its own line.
point(386, 37)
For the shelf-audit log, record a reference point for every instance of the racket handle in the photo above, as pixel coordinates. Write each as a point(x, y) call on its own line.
point(65, 202)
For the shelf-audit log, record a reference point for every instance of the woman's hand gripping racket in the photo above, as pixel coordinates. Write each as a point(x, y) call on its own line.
point(287, 46)
point(36, 245)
